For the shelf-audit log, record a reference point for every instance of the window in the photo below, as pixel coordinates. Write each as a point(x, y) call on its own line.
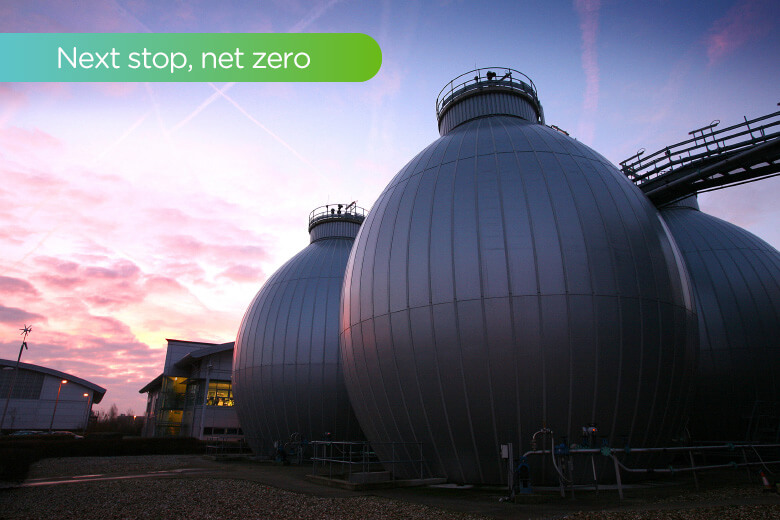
point(193, 395)
point(173, 393)
point(28, 384)
point(220, 394)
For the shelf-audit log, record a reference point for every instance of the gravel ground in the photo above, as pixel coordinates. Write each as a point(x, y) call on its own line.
point(230, 495)
point(197, 499)
point(729, 493)
point(755, 512)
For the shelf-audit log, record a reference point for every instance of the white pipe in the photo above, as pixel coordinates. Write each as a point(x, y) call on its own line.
point(692, 468)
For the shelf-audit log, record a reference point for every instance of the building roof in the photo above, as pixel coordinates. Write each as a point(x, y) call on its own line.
point(151, 385)
point(97, 391)
point(195, 355)
point(208, 349)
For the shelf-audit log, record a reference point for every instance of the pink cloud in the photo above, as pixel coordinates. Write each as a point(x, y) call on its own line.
point(11, 99)
point(111, 284)
point(242, 273)
point(118, 362)
point(29, 183)
point(119, 270)
point(178, 269)
point(9, 285)
point(59, 282)
point(187, 245)
point(21, 139)
point(163, 284)
point(73, 333)
point(212, 230)
point(65, 267)
point(746, 21)
point(11, 235)
point(107, 325)
point(14, 315)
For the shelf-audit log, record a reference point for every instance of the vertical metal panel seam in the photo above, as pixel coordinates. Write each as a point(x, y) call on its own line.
point(532, 238)
point(594, 181)
point(371, 321)
point(430, 309)
point(510, 297)
point(370, 221)
point(271, 324)
point(322, 362)
point(630, 192)
point(455, 298)
point(620, 296)
point(566, 176)
point(310, 327)
point(557, 227)
point(408, 302)
point(392, 224)
point(394, 355)
point(483, 292)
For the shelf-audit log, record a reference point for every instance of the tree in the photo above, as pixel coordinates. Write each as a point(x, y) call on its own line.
point(111, 421)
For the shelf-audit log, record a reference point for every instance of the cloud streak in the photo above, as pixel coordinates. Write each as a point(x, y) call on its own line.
point(315, 13)
point(264, 128)
point(746, 21)
point(588, 12)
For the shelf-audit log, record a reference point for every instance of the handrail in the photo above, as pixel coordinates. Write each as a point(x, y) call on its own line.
point(486, 76)
point(350, 212)
point(705, 143)
point(361, 455)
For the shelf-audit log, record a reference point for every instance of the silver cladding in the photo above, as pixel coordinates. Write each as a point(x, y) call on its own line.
point(736, 280)
point(509, 278)
point(471, 107)
point(286, 371)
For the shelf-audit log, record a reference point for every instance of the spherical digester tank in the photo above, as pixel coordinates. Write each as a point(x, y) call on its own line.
point(510, 278)
point(286, 371)
point(736, 280)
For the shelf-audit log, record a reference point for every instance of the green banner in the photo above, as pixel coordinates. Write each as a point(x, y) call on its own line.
point(218, 57)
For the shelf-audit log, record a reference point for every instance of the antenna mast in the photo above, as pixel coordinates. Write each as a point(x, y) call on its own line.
point(25, 331)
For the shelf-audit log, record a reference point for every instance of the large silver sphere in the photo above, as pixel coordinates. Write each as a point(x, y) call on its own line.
point(510, 278)
point(286, 372)
point(736, 279)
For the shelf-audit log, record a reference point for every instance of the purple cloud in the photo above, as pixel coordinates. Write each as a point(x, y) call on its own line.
point(746, 21)
point(14, 315)
point(9, 285)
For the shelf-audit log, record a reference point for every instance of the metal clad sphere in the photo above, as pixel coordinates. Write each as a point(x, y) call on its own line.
point(507, 279)
point(286, 371)
point(736, 279)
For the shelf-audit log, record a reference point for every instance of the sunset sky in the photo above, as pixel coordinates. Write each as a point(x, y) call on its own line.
point(132, 213)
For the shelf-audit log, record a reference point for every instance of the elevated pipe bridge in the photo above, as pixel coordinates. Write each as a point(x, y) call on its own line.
point(711, 159)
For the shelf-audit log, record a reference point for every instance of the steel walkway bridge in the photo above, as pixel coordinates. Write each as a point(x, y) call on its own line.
point(711, 159)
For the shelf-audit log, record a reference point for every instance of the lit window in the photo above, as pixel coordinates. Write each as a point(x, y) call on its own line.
point(220, 394)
